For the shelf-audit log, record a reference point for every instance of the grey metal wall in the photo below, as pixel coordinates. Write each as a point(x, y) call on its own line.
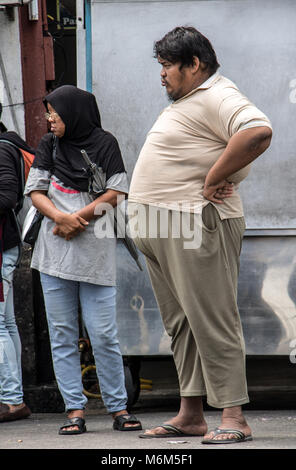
point(255, 43)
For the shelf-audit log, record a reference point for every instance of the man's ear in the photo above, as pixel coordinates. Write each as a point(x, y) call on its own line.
point(196, 64)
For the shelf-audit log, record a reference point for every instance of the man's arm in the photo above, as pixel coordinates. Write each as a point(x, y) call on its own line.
point(243, 148)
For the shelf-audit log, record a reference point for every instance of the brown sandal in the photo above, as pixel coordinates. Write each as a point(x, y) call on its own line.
point(7, 415)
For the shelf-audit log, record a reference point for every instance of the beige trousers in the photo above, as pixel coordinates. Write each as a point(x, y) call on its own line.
point(196, 291)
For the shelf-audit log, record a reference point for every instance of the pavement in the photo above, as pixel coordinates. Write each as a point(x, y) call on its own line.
point(271, 430)
point(35, 440)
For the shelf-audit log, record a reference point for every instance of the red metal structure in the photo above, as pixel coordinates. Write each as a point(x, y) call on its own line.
point(37, 69)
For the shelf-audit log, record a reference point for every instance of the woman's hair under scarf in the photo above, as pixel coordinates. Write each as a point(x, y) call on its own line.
point(79, 111)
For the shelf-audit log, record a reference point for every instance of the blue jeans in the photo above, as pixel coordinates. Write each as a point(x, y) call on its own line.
point(11, 390)
point(98, 308)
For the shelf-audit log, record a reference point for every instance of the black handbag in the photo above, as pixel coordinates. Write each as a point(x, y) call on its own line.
point(30, 235)
point(32, 222)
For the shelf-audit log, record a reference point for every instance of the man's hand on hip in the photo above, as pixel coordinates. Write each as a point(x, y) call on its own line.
point(218, 192)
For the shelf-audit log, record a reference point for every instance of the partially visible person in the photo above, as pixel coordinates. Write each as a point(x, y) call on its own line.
point(12, 406)
point(75, 266)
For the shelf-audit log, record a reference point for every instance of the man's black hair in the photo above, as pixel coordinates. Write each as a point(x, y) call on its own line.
point(2, 127)
point(182, 44)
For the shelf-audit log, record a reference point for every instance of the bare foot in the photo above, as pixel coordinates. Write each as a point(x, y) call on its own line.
point(197, 428)
point(232, 418)
point(189, 420)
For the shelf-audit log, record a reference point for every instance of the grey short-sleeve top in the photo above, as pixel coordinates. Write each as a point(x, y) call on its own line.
point(85, 258)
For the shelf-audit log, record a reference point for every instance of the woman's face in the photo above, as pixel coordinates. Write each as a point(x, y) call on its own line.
point(57, 125)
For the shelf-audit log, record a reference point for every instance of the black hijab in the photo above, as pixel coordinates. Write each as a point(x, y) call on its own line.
point(79, 111)
point(2, 127)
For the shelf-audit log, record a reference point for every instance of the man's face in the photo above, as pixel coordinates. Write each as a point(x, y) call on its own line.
point(178, 81)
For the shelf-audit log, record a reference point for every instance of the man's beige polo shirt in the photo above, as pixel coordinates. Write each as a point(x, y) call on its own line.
point(184, 143)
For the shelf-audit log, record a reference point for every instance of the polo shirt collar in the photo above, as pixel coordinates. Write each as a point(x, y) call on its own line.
point(203, 86)
point(208, 83)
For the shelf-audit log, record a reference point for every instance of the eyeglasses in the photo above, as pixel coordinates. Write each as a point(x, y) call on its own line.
point(54, 116)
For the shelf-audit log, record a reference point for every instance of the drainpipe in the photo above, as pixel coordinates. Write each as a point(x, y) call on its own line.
point(88, 45)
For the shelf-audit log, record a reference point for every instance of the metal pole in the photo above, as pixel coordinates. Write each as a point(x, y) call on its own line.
point(88, 42)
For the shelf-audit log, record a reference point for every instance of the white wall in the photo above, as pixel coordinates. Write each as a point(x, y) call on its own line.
point(12, 117)
point(80, 41)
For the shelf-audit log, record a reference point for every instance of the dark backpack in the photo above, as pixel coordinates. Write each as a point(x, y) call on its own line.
point(26, 160)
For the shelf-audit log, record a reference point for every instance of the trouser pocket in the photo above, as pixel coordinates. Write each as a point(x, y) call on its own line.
point(209, 218)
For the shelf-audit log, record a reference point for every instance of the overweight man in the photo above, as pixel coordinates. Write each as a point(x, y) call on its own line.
point(199, 149)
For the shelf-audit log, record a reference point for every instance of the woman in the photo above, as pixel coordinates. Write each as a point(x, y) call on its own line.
point(74, 264)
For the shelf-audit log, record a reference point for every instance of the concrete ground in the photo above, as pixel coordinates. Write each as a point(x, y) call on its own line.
point(36, 438)
point(271, 430)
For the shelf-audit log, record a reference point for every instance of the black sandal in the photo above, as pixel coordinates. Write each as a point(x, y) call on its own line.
point(121, 420)
point(79, 422)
